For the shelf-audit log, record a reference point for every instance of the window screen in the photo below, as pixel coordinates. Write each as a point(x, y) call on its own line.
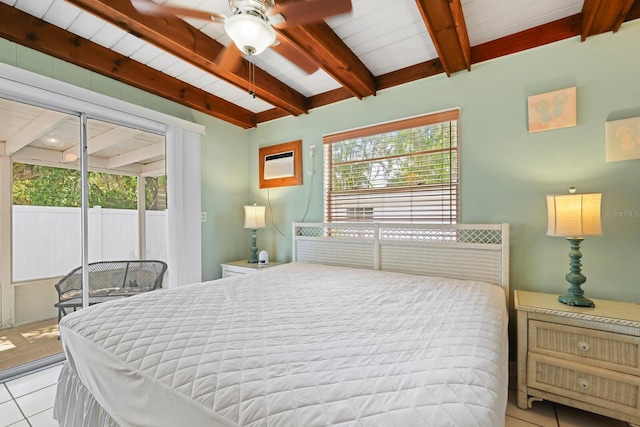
point(402, 171)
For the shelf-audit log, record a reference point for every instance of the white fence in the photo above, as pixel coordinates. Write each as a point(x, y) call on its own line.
point(47, 240)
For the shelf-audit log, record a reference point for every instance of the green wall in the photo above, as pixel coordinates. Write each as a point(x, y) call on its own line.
point(224, 192)
point(506, 171)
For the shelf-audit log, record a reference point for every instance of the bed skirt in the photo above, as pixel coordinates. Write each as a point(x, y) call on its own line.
point(80, 409)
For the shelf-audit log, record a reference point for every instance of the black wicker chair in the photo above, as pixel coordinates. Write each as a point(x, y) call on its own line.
point(109, 280)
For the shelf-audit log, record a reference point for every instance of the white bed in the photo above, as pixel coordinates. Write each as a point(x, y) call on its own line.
point(304, 344)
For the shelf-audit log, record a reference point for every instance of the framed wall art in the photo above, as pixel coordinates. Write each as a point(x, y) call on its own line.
point(553, 110)
point(622, 139)
point(280, 165)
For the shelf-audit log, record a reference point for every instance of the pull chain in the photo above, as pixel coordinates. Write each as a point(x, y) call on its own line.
point(252, 78)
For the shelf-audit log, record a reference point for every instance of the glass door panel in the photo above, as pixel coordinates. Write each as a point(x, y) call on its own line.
point(122, 161)
point(45, 228)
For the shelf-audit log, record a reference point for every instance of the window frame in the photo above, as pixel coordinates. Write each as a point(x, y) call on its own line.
point(451, 188)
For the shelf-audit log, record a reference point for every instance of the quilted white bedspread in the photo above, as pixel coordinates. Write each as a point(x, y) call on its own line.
point(297, 345)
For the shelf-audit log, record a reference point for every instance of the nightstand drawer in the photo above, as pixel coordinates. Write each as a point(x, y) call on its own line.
point(231, 273)
point(584, 383)
point(598, 348)
point(238, 268)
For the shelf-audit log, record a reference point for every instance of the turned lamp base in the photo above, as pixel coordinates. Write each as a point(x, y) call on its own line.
point(253, 251)
point(575, 277)
point(578, 301)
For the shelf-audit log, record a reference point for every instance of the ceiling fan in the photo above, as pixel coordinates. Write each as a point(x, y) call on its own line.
point(251, 25)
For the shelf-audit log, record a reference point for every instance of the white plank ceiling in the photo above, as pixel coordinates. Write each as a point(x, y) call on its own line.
point(386, 36)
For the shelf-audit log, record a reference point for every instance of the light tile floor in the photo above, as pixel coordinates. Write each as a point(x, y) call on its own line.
point(28, 401)
point(547, 414)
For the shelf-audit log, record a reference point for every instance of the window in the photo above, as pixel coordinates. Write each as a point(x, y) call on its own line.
point(402, 171)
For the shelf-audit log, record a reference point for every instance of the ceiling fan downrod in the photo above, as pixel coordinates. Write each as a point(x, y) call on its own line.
point(258, 8)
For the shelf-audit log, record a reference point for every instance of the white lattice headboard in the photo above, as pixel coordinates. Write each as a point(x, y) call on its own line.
point(460, 251)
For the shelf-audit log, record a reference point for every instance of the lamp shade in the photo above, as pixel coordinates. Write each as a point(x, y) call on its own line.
point(254, 216)
point(574, 215)
point(251, 34)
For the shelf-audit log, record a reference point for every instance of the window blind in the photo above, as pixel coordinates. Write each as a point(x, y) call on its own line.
point(402, 171)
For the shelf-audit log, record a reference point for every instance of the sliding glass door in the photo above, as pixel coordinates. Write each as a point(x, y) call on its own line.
point(125, 213)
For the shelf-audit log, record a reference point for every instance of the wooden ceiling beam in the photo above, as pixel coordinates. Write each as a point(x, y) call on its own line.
point(527, 39)
point(175, 36)
point(410, 74)
point(26, 30)
point(445, 21)
point(634, 12)
point(323, 46)
point(601, 16)
point(385, 81)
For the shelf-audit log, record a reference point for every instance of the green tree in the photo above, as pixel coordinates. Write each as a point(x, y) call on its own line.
point(48, 186)
point(45, 186)
point(417, 156)
point(113, 191)
point(156, 197)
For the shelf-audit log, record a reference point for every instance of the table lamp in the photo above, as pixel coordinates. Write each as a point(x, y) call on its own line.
point(253, 219)
point(574, 216)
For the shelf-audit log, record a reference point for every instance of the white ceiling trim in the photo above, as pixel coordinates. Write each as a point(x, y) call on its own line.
point(43, 157)
point(154, 169)
point(111, 137)
point(135, 156)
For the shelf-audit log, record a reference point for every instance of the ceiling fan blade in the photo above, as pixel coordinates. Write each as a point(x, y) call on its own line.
point(148, 7)
point(229, 58)
point(293, 53)
point(310, 11)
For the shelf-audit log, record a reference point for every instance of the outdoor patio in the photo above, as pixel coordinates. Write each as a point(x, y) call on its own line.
point(28, 343)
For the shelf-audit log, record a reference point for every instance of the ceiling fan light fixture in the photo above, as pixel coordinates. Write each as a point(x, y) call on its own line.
point(250, 33)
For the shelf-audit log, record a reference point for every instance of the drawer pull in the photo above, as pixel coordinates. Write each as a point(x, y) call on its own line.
point(583, 384)
point(584, 346)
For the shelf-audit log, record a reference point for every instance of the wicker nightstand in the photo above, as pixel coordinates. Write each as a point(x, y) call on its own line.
point(236, 268)
point(588, 358)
